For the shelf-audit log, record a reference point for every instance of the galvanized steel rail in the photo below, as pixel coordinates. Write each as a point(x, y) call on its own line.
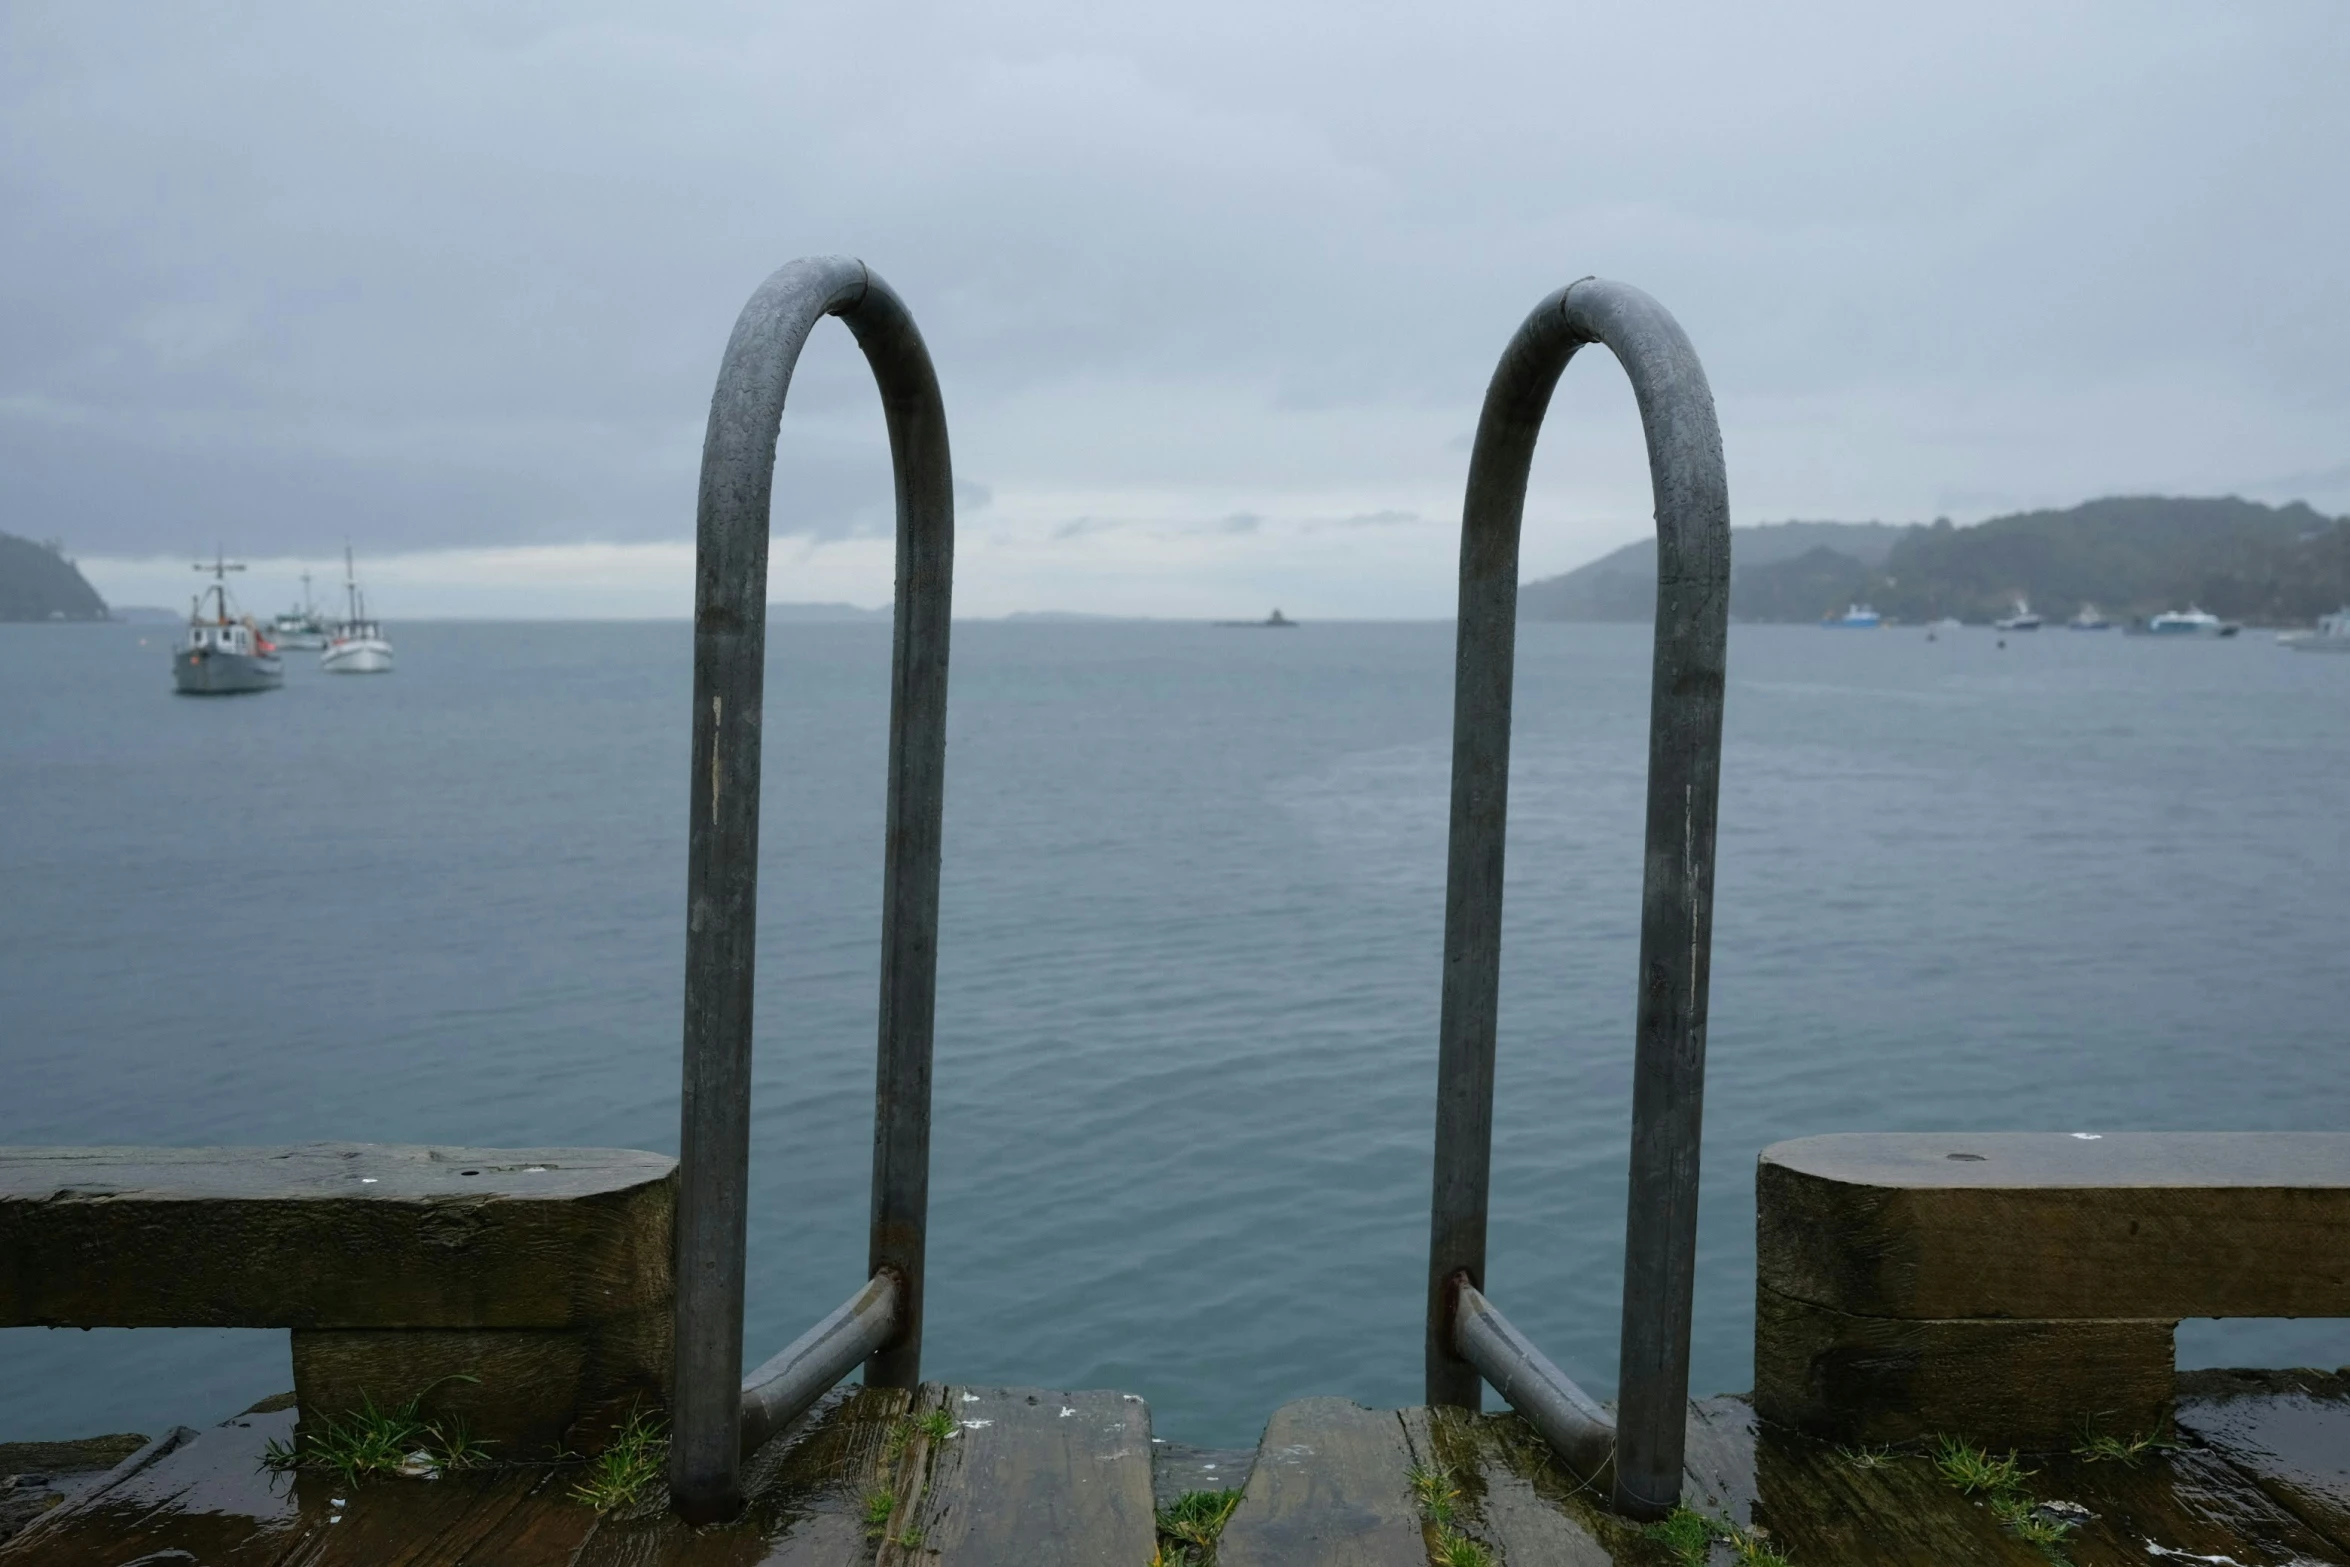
point(1465, 1336)
point(712, 1410)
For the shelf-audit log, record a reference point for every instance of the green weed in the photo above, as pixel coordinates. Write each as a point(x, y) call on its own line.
point(1866, 1457)
point(372, 1441)
point(2098, 1448)
point(2023, 1519)
point(627, 1473)
point(878, 1507)
point(1435, 1491)
point(1455, 1549)
point(455, 1447)
point(1968, 1469)
point(1690, 1536)
point(1189, 1526)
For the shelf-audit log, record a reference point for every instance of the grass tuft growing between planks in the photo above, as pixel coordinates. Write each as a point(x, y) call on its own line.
point(371, 1441)
point(1437, 1492)
point(627, 1473)
point(1971, 1471)
point(1190, 1525)
point(1968, 1469)
point(1690, 1536)
point(2098, 1447)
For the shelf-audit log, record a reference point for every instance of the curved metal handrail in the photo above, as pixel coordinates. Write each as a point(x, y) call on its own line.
point(1676, 922)
point(707, 1424)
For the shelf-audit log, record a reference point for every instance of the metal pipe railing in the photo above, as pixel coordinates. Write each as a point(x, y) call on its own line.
point(780, 1390)
point(1577, 1429)
point(1676, 924)
point(707, 1409)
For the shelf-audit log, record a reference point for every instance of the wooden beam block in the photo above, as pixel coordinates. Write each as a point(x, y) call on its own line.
point(332, 1235)
point(2001, 1383)
point(519, 1389)
point(2047, 1225)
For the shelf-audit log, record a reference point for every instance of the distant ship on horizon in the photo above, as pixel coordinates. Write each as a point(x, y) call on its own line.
point(1274, 619)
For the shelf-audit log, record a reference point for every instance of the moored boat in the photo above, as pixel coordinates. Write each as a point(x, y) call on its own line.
point(301, 628)
point(2331, 636)
point(2087, 618)
point(2022, 620)
point(222, 653)
point(2190, 622)
point(358, 646)
point(1856, 617)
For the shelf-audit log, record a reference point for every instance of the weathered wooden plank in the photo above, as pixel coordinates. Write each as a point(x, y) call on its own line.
point(1823, 1509)
point(1824, 1505)
point(806, 1496)
point(2049, 1225)
point(421, 1523)
point(2167, 1506)
point(38, 1477)
point(332, 1235)
point(202, 1494)
point(1509, 1494)
point(811, 1488)
point(1718, 1459)
point(1331, 1486)
point(2002, 1383)
point(1031, 1478)
point(2288, 1432)
point(546, 1527)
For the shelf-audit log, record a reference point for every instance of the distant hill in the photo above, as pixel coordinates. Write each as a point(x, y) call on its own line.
point(1622, 586)
point(37, 582)
point(2129, 555)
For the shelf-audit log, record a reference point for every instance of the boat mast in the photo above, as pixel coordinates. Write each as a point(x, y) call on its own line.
point(220, 568)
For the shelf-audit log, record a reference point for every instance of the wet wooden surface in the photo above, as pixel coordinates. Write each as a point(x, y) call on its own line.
point(1029, 1477)
point(1331, 1486)
point(2259, 1476)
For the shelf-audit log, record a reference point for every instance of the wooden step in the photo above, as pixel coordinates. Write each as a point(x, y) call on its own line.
point(1029, 1478)
point(807, 1495)
point(2260, 1473)
point(1332, 1485)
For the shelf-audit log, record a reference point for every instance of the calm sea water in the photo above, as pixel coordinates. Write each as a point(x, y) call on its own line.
point(1188, 990)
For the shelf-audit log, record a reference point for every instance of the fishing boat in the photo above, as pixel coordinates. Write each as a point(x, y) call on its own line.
point(222, 653)
point(1856, 617)
point(2022, 620)
point(2331, 636)
point(2088, 619)
point(2190, 622)
point(301, 628)
point(358, 646)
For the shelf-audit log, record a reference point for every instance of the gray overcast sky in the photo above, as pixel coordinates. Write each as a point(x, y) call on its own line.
point(1213, 288)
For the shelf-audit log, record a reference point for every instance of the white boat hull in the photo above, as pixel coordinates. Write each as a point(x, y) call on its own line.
point(364, 656)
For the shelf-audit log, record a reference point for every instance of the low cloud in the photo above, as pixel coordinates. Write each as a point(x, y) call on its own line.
point(469, 288)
